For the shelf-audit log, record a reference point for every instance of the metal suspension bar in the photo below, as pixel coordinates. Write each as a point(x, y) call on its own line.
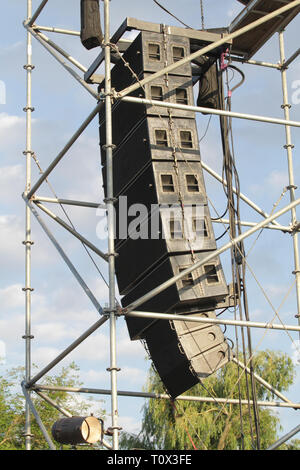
point(217, 321)
point(209, 48)
point(219, 112)
point(221, 250)
point(67, 351)
point(73, 232)
point(292, 188)
point(37, 417)
point(162, 396)
point(282, 228)
point(51, 29)
point(284, 438)
point(70, 202)
point(255, 62)
point(66, 66)
point(111, 227)
point(67, 260)
point(65, 149)
point(37, 13)
point(28, 242)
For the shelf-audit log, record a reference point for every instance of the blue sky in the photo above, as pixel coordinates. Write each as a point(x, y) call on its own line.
point(60, 310)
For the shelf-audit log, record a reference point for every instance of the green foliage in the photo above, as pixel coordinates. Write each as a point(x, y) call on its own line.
point(12, 403)
point(210, 425)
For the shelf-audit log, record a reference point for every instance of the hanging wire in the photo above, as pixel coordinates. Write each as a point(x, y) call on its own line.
point(171, 14)
point(238, 262)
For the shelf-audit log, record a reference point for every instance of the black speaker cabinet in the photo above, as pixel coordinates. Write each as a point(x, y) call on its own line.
point(165, 232)
point(150, 52)
point(163, 224)
point(184, 352)
point(202, 288)
point(153, 140)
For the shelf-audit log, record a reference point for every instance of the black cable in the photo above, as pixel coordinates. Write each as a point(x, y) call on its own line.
point(238, 258)
point(221, 236)
point(170, 13)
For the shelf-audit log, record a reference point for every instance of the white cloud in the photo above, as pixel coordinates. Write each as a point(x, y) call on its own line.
point(132, 375)
point(53, 332)
point(94, 348)
point(130, 424)
point(44, 355)
point(277, 180)
point(12, 177)
point(11, 297)
point(11, 236)
point(8, 125)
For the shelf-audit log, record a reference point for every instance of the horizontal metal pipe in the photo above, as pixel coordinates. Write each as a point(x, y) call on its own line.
point(73, 232)
point(219, 112)
point(67, 147)
point(218, 252)
point(210, 47)
point(255, 62)
point(37, 12)
point(161, 396)
point(282, 228)
point(67, 351)
point(50, 29)
point(70, 202)
point(284, 438)
point(217, 321)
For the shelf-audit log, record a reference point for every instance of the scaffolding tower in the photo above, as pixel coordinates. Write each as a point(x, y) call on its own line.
point(35, 203)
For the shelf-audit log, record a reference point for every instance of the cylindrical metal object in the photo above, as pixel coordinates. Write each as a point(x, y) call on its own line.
point(77, 430)
point(91, 33)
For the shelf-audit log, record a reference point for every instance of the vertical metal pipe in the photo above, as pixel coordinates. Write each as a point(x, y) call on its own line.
point(289, 150)
point(111, 227)
point(28, 241)
point(37, 417)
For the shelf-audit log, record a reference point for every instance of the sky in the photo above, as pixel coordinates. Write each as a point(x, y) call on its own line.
point(60, 309)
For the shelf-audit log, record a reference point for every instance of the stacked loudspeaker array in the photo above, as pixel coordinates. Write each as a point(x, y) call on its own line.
point(157, 175)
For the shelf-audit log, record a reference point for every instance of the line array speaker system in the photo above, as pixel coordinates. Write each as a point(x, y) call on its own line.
point(163, 222)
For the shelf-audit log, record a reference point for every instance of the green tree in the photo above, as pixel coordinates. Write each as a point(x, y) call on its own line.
point(12, 417)
point(213, 426)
